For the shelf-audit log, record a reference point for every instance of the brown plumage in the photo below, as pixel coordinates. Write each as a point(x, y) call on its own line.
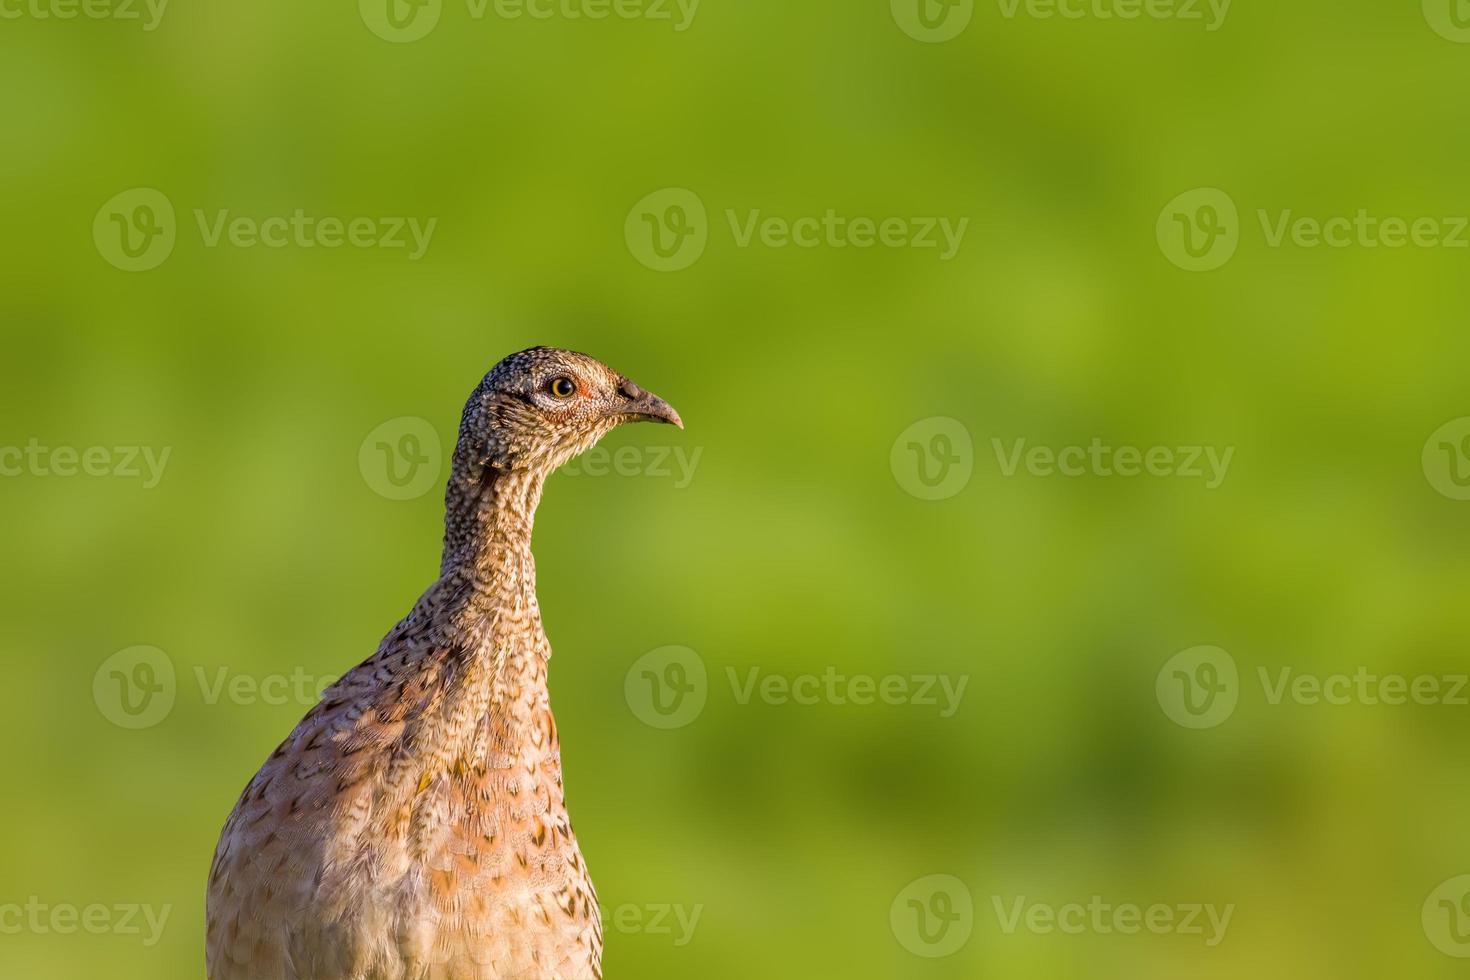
point(413, 826)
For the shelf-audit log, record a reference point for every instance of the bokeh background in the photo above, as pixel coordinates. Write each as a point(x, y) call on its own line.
point(798, 834)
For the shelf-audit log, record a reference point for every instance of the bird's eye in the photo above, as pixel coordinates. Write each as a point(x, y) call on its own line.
point(562, 387)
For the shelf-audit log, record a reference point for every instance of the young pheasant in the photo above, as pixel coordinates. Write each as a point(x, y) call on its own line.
point(413, 826)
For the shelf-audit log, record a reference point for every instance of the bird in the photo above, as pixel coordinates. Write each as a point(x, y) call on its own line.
point(413, 826)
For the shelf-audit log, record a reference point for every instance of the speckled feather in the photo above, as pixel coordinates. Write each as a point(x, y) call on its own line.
point(414, 825)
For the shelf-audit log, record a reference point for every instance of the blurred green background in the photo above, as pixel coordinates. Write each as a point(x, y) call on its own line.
point(797, 833)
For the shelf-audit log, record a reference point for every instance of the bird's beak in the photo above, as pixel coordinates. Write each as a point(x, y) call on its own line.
point(644, 406)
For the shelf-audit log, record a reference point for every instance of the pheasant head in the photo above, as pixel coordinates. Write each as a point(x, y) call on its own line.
point(534, 411)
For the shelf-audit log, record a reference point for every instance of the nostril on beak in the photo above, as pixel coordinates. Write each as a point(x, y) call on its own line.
point(641, 404)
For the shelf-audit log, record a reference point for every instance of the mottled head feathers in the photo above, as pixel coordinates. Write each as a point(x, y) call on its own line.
point(541, 407)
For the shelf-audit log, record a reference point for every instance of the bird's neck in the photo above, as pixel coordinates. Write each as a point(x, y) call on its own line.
point(493, 705)
point(488, 516)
